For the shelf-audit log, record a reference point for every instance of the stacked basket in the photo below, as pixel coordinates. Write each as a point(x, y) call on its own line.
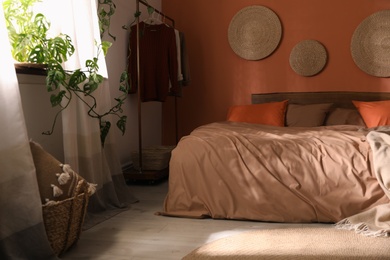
point(154, 158)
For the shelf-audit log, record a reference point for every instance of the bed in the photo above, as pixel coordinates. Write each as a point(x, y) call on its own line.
point(316, 167)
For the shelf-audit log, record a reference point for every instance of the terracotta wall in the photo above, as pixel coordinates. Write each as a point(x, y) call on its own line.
point(220, 78)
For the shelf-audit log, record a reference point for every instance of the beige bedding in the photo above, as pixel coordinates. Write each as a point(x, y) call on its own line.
point(255, 172)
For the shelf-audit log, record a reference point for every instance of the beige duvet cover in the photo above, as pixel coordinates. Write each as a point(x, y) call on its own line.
point(255, 172)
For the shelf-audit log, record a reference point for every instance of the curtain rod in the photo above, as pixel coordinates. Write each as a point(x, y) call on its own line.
point(157, 11)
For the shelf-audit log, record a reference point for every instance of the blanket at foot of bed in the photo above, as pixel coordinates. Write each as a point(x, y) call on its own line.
point(375, 221)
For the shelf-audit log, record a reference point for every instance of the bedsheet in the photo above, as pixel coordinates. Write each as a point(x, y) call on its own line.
point(228, 170)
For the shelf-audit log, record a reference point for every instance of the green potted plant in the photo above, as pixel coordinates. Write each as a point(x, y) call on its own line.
point(31, 45)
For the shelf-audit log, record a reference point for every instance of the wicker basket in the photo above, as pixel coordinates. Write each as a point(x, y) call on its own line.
point(153, 158)
point(64, 219)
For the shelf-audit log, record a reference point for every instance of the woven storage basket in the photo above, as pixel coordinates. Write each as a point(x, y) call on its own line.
point(64, 219)
point(153, 158)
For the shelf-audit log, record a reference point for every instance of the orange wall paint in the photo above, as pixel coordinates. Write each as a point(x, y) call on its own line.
point(220, 78)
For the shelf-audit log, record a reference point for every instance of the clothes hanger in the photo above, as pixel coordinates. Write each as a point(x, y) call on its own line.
point(164, 21)
point(153, 18)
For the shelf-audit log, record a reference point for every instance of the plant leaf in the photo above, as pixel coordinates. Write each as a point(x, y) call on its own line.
point(21, 46)
point(121, 124)
point(93, 83)
point(69, 44)
point(92, 64)
point(104, 129)
point(55, 77)
point(42, 25)
point(60, 48)
point(76, 78)
point(37, 55)
point(55, 100)
point(105, 46)
point(150, 10)
point(124, 82)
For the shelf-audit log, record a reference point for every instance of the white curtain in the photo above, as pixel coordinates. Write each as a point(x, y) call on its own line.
point(22, 233)
point(82, 146)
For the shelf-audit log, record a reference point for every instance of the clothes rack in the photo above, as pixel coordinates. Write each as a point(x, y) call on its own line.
point(148, 176)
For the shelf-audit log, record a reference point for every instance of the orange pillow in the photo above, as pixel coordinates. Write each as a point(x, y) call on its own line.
point(272, 113)
point(375, 113)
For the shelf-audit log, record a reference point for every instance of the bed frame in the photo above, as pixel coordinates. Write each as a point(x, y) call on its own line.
point(262, 170)
point(339, 99)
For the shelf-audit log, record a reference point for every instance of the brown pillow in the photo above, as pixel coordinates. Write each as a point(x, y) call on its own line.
point(307, 115)
point(55, 182)
point(344, 116)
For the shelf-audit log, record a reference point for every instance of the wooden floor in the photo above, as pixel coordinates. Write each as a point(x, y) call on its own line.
point(139, 234)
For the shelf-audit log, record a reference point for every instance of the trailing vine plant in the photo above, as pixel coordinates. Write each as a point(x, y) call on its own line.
point(106, 9)
point(30, 43)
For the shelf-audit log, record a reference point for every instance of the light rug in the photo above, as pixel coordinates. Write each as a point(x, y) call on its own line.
point(295, 243)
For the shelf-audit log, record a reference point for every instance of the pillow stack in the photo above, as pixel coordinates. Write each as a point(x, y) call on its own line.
point(367, 114)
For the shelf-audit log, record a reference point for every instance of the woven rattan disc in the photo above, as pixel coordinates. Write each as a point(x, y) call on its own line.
point(370, 45)
point(254, 32)
point(308, 58)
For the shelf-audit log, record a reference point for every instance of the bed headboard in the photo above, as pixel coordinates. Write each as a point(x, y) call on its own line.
point(339, 99)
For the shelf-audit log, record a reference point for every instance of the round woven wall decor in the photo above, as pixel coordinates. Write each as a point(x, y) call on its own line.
point(254, 32)
point(370, 44)
point(308, 58)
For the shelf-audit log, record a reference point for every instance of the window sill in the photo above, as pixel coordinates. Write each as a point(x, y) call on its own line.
point(31, 69)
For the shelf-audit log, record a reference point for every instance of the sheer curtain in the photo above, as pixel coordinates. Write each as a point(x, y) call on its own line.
point(22, 232)
point(81, 133)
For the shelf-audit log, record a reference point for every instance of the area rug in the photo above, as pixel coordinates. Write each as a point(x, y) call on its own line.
point(295, 243)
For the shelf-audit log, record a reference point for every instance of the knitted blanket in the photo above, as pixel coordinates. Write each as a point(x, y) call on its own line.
point(375, 221)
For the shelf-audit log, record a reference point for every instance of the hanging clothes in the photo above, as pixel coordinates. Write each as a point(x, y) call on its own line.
point(158, 62)
point(178, 52)
point(179, 65)
point(183, 76)
point(184, 62)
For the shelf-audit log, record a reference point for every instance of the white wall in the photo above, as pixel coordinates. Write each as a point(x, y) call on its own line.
point(39, 114)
